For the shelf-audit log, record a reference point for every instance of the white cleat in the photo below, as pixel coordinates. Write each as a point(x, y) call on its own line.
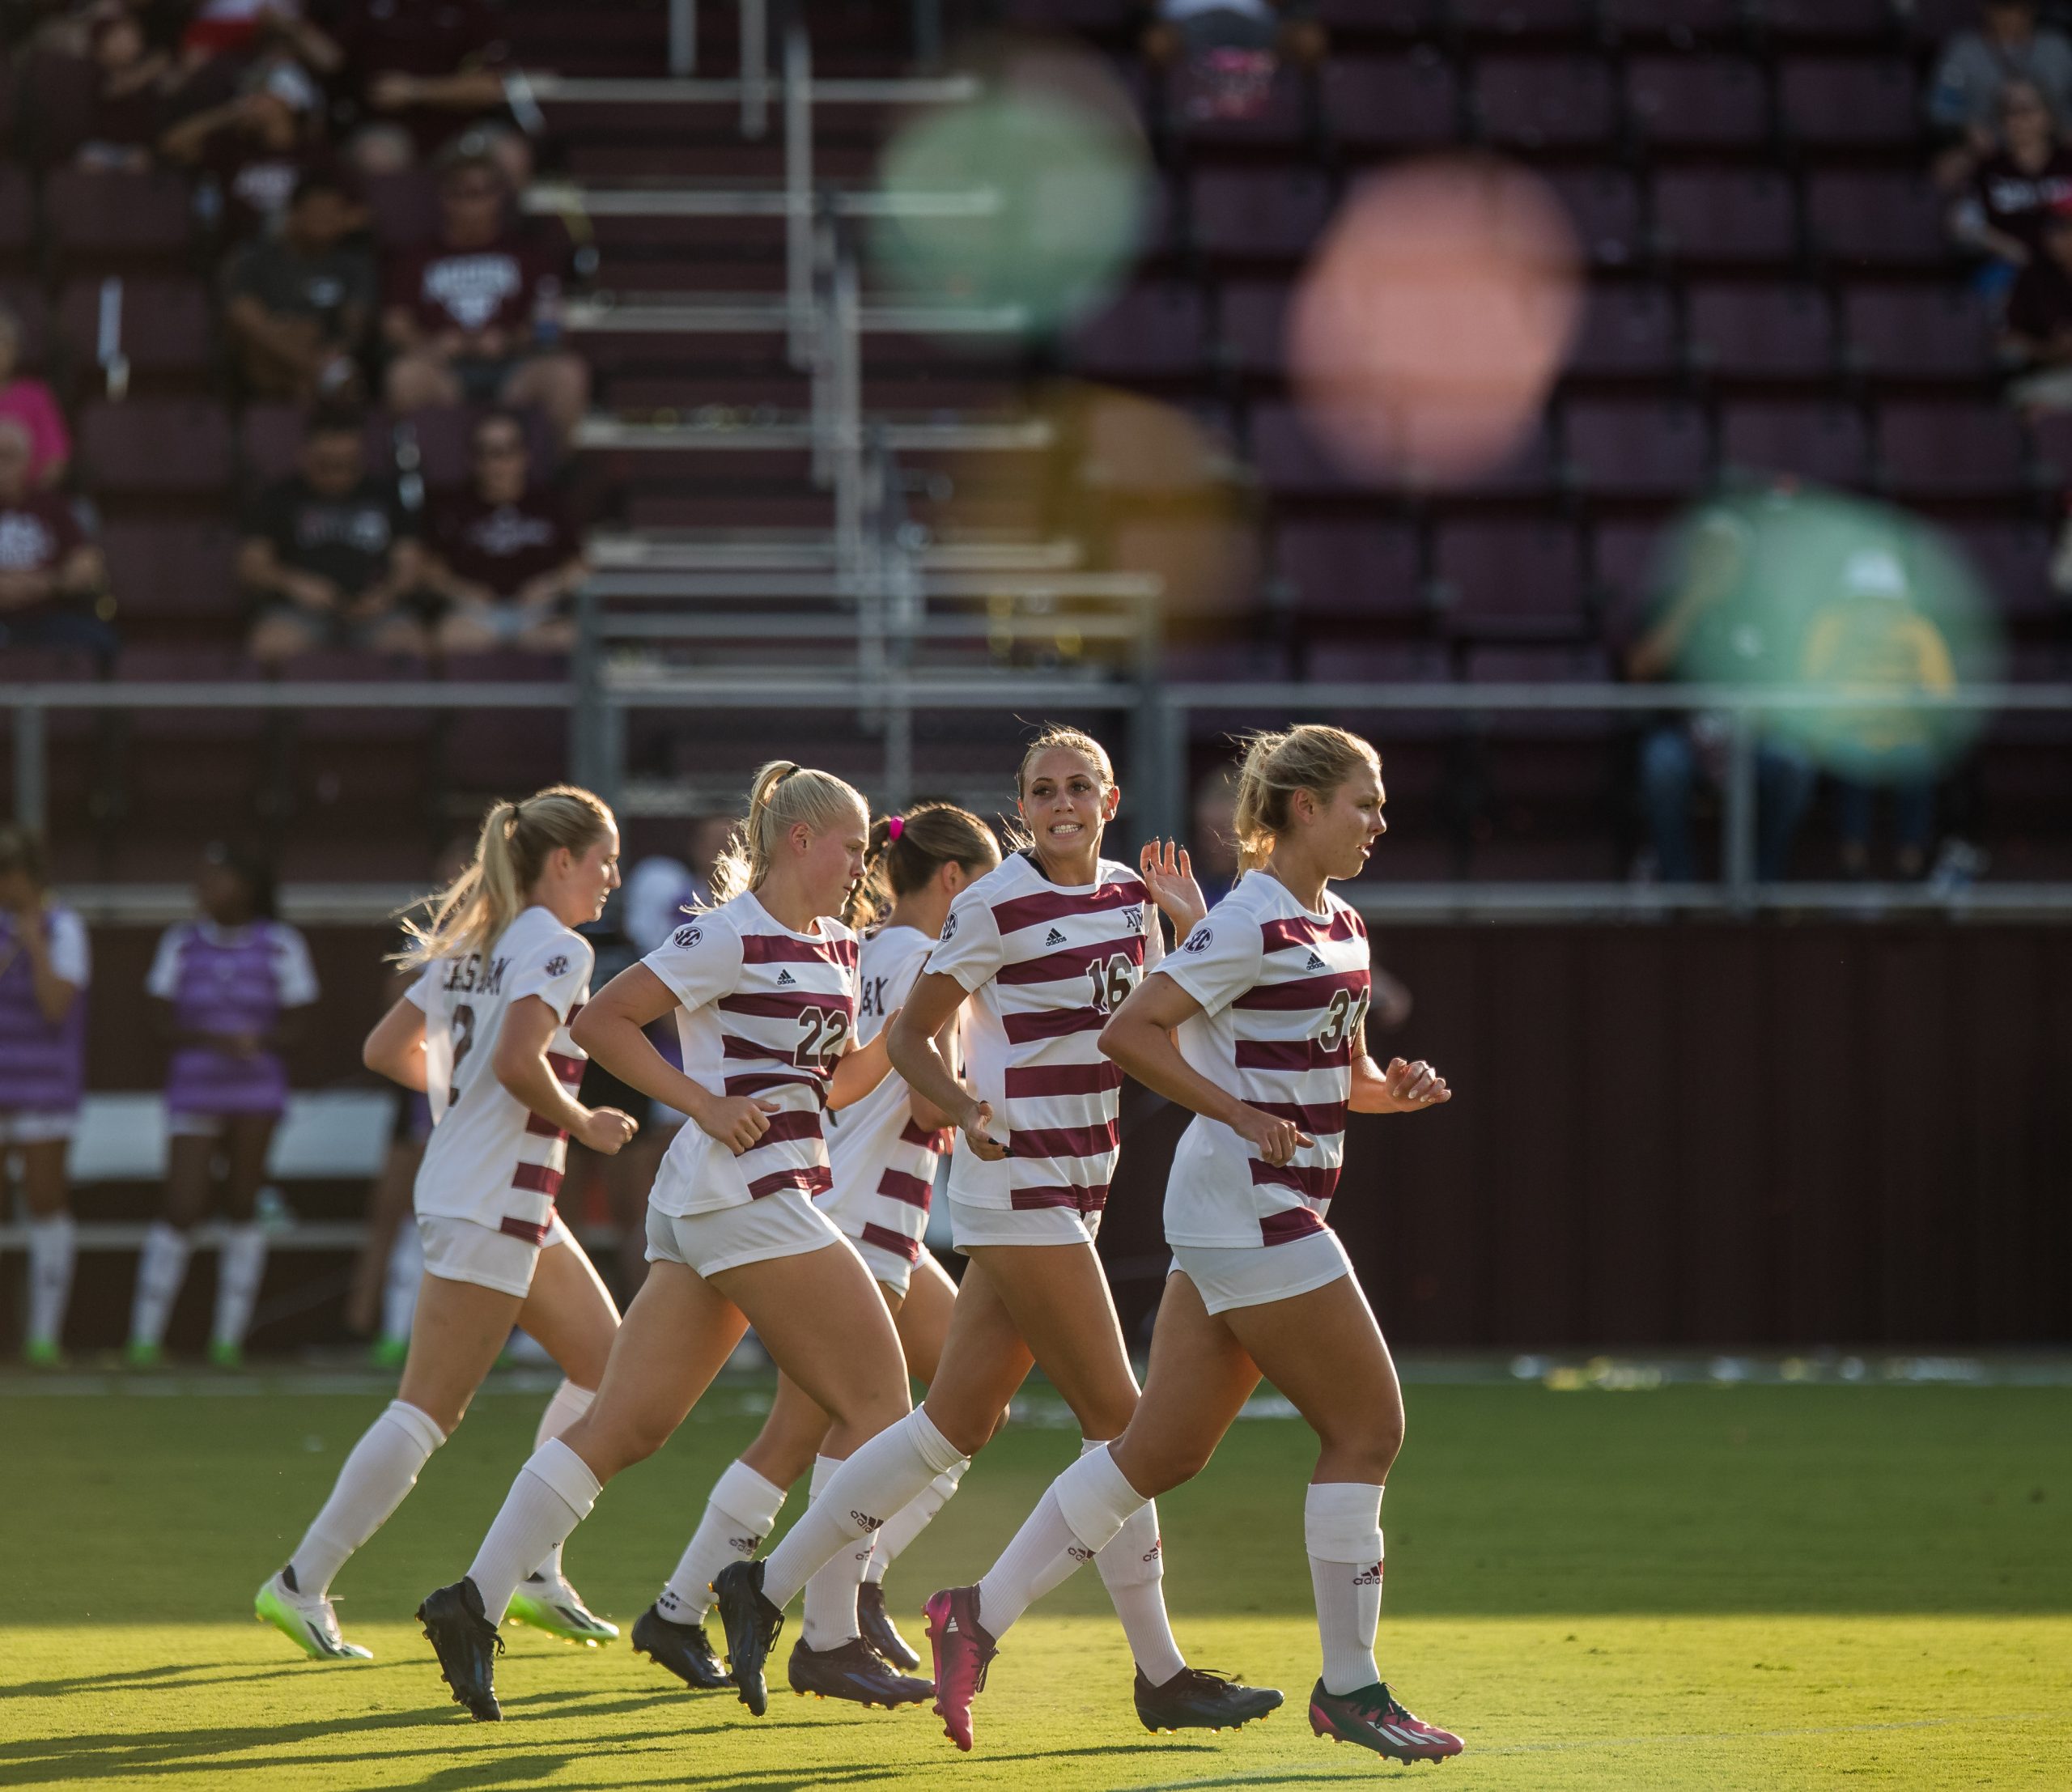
point(549, 1603)
point(308, 1623)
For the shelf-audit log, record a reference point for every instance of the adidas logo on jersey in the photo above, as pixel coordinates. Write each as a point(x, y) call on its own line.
point(1315, 963)
point(785, 979)
point(1053, 937)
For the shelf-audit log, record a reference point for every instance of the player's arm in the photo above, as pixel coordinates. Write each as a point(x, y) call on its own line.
point(613, 1029)
point(521, 1064)
point(862, 1067)
point(1139, 1037)
point(914, 1039)
point(927, 1115)
point(395, 1049)
point(1401, 1089)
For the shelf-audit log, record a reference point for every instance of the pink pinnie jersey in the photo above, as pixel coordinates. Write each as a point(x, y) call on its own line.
point(229, 980)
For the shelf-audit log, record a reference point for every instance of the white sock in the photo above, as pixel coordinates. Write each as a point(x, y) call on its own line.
point(399, 1285)
point(880, 1478)
point(382, 1468)
point(240, 1266)
point(161, 1267)
point(53, 1244)
point(830, 1605)
point(912, 1519)
point(1342, 1530)
point(552, 1494)
point(1082, 1511)
point(740, 1512)
point(569, 1404)
point(1133, 1569)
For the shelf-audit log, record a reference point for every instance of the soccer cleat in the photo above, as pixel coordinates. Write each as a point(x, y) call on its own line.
point(856, 1671)
point(42, 1353)
point(388, 1352)
point(553, 1605)
point(1198, 1698)
point(467, 1644)
point(226, 1353)
point(963, 1650)
point(1372, 1718)
point(877, 1625)
point(752, 1623)
point(309, 1623)
point(683, 1648)
point(138, 1354)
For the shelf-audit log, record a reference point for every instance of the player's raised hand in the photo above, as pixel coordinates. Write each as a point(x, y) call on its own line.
point(1276, 1141)
point(1169, 874)
point(978, 1129)
point(1411, 1087)
point(736, 1121)
point(606, 1130)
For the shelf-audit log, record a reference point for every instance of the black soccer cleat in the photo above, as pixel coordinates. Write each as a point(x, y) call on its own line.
point(683, 1648)
point(1372, 1717)
point(468, 1646)
point(752, 1623)
point(856, 1671)
point(877, 1625)
point(1197, 1698)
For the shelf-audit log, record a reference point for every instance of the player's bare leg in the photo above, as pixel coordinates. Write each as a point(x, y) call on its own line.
point(189, 1186)
point(242, 1263)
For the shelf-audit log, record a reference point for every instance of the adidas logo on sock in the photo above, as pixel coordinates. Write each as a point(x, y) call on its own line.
point(1079, 1552)
point(865, 1519)
point(1053, 937)
point(1315, 963)
point(785, 979)
point(744, 1546)
point(1368, 1577)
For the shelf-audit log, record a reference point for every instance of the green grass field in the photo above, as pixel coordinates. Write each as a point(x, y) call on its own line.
point(1767, 1587)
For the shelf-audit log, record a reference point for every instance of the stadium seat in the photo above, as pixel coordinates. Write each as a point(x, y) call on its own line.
point(1930, 450)
point(1509, 580)
point(1254, 212)
point(1542, 102)
point(1862, 23)
point(1681, 23)
point(1605, 206)
point(1151, 329)
point(178, 570)
point(2053, 430)
point(404, 206)
point(1867, 219)
point(110, 219)
point(161, 325)
point(1761, 332)
point(1515, 19)
point(1717, 215)
point(1292, 458)
point(1527, 470)
point(1911, 332)
point(1818, 440)
point(1390, 101)
point(1394, 17)
point(1623, 561)
point(1699, 101)
point(1544, 665)
point(1350, 570)
point(17, 216)
point(2012, 560)
point(1835, 102)
point(25, 299)
point(1254, 324)
point(1639, 448)
point(165, 447)
point(1628, 332)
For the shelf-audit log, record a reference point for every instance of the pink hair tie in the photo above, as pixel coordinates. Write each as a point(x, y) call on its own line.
point(895, 827)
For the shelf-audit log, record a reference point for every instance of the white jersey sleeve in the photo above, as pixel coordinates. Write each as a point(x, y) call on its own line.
point(969, 949)
point(71, 957)
point(700, 961)
point(558, 971)
point(422, 992)
point(1215, 964)
point(162, 980)
point(293, 975)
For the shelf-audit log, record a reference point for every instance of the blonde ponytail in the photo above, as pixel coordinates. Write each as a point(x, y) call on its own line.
point(472, 912)
point(784, 794)
point(1312, 758)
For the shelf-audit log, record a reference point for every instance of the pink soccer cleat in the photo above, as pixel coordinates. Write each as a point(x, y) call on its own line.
point(1372, 1718)
point(963, 1650)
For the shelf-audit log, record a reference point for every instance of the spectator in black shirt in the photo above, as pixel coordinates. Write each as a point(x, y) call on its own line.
point(2014, 190)
point(329, 556)
point(503, 552)
point(298, 306)
point(51, 575)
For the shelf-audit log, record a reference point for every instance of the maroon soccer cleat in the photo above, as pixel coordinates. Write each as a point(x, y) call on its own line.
point(1372, 1718)
point(963, 1650)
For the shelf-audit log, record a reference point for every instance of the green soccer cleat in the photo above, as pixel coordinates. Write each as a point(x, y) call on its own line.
point(42, 1353)
point(388, 1352)
point(223, 1353)
point(309, 1623)
point(137, 1354)
point(549, 1603)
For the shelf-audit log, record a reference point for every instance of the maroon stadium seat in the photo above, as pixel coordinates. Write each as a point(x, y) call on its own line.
point(345, 667)
point(1504, 18)
point(1699, 101)
point(1865, 23)
point(1509, 579)
point(267, 437)
point(1292, 458)
point(1546, 664)
point(1681, 22)
point(1351, 569)
point(1158, 329)
point(1604, 205)
point(1258, 212)
point(1870, 219)
point(1836, 101)
point(26, 300)
point(1762, 332)
point(1706, 215)
point(1627, 331)
point(95, 215)
point(1906, 333)
point(162, 323)
point(17, 214)
point(405, 207)
point(1638, 448)
point(1931, 451)
point(1814, 440)
point(1527, 470)
point(1623, 559)
point(2054, 438)
point(172, 569)
point(1540, 102)
point(1390, 100)
point(1254, 315)
point(158, 447)
point(2012, 560)
point(1396, 18)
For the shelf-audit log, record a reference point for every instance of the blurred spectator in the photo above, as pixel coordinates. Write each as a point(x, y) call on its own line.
point(1212, 842)
point(2008, 45)
point(329, 555)
point(127, 97)
point(298, 306)
point(2038, 329)
point(2014, 190)
point(30, 404)
point(1871, 639)
point(255, 147)
point(1697, 618)
point(660, 891)
point(50, 574)
point(503, 554)
point(1226, 52)
point(474, 317)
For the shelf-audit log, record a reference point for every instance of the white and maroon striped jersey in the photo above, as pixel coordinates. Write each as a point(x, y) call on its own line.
point(1283, 994)
point(490, 1159)
point(766, 1013)
point(884, 1164)
point(1046, 964)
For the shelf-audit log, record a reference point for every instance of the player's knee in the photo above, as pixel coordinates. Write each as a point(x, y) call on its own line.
point(1162, 1467)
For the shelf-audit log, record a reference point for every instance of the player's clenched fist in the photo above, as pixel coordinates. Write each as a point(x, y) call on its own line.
point(1412, 1086)
point(1276, 1141)
point(736, 1121)
point(606, 1130)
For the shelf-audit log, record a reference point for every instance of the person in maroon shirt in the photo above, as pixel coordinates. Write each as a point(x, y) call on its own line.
point(464, 314)
point(503, 552)
point(256, 146)
point(2014, 190)
point(50, 574)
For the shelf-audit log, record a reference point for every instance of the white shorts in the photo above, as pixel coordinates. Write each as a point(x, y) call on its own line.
point(466, 1250)
point(969, 1224)
point(784, 1224)
point(1228, 1276)
point(887, 1267)
point(27, 1126)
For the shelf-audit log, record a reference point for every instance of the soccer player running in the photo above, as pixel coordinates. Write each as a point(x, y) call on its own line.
point(485, 1029)
point(883, 1155)
point(764, 990)
point(1269, 996)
